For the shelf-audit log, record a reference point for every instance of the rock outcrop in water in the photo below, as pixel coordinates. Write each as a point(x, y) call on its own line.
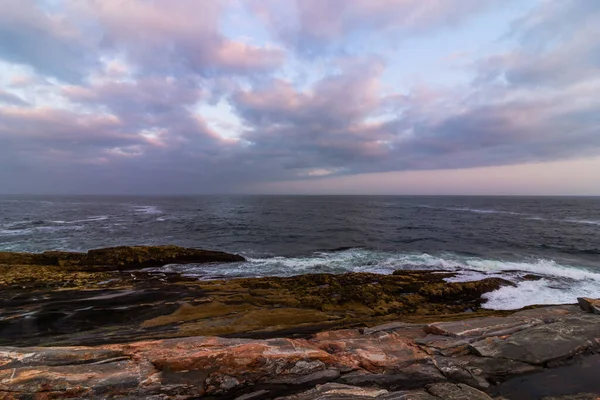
point(472, 360)
point(121, 258)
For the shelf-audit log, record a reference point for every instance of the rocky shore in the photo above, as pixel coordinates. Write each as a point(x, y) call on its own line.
point(98, 325)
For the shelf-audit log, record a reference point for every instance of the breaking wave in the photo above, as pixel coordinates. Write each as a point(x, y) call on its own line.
point(554, 283)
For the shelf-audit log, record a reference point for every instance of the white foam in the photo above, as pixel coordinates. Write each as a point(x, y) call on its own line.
point(89, 219)
point(583, 221)
point(559, 284)
point(473, 210)
point(147, 210)
point(543, 291)
point(27, 231)
point(484, 211)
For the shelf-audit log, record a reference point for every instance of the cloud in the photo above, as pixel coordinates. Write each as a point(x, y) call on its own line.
point(9, 98)
point(68, 41)
point(170, 37)
point(558, 47)
point(321, 129)
point(313, 26)
point(115, 99)
point(49, 42)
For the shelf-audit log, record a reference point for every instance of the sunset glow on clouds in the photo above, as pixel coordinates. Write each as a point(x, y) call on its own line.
point(306, 96)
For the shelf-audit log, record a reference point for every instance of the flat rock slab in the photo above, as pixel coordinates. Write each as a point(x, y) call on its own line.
point(391, 362)
point(544, 343)
point(440, 391)
point(483, 327)
point(15, 357)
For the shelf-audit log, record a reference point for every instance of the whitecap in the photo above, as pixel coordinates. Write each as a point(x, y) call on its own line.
point(583, 221)
point(147, 210)
point(483, 211)
point(27, 231)
point(573, 281)
point(89, 219)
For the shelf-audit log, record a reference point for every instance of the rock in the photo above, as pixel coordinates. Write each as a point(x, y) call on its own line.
point(443, 345)
point(122, 257)
point(79, 304)
point(450, 391)
point(540, 344)
point(382, 364)
point(456, 290)
point(403, 328)
point(259, 394)
point(336, 391)
point(483, 327)
point(409, 377)
point(14, 357)
point(93, 380)
point(409, 395)
point(479, 372)
point(589, 305)
point(135, 257)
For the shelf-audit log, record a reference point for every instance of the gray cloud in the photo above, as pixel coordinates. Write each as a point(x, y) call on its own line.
point(123, 115)
point(50, 44)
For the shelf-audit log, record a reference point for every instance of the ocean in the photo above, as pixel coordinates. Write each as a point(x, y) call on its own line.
point(549, 247)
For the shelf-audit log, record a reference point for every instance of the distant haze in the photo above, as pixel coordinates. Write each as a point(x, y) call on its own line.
point(300, 97)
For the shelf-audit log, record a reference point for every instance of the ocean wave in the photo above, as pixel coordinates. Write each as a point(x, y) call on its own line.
point(583, 221)
point(147, 210)
point(474, 210)
point(483, 211)
point(47, 229)
point(557, 284)
point(543, 291)
point(89, 219)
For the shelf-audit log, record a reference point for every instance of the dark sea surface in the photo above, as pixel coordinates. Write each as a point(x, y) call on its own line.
point(555, 238)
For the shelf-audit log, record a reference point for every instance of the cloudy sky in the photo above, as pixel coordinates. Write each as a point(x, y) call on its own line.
point(300, 96)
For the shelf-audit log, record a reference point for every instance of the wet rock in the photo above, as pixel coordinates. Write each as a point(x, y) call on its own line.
point(443, 345)
point(134, 257)
point(456, 290)
point(589, 305)
point(94, 380)
point(122, 257)
point(78, 304)
point(15, 357)
point(405, 329)
point(450, 391)
point(408, 377)
point(481, 372)
point(541, 344)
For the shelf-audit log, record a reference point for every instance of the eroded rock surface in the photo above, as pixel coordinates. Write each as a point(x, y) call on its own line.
point(60, 298)
point(448, 360)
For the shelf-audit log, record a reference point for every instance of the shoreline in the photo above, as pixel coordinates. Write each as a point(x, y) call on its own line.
point(363, 335)
point(63, 298)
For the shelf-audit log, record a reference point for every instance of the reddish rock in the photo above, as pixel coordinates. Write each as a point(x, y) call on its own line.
point(352, 362)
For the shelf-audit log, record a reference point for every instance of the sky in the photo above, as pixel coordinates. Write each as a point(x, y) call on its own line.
point(300, 97)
